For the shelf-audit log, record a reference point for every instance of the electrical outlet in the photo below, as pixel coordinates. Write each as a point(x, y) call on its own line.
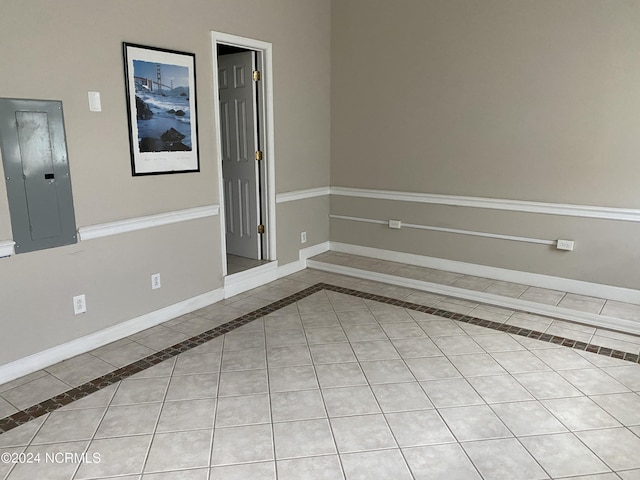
point(79, 304)
point(395, 223)
point(303, 237)
point(155, 281)
point(564, 245)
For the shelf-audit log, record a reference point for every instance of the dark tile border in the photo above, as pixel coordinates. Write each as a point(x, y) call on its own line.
point(77, 393)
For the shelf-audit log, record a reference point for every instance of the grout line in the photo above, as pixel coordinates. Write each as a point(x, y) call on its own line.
point(88, 446)
point(435, 408)
point(561, 299)
point(215, 410)
point(324, 403)
point(604, 304)
point(157, 422)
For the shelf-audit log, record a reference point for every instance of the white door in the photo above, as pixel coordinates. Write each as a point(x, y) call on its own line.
point(239, 166)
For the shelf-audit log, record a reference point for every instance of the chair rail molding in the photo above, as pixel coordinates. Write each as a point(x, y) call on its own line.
point(139, 223)
point(302, 194)
point(588, 211)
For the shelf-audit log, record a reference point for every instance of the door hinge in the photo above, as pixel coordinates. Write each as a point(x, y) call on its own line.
point(259, 155)
point(260, 229)
point(256, 75)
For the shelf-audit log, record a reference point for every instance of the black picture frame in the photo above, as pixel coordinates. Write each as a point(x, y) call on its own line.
point(162, 110)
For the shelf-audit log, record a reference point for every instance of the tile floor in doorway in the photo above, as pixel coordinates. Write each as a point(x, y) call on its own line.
point(236, 264)
point(333, 386)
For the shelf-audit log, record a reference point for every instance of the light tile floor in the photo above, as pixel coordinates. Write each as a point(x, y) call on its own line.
point(334, 387)
point(237, 264)
point(601, 306)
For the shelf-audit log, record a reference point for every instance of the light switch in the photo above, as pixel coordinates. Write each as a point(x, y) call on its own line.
point(94, 102)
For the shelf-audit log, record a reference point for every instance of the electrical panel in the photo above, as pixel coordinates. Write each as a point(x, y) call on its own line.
point(36, 171)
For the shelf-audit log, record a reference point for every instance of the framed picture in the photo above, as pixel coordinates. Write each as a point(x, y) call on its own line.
point(161, 104)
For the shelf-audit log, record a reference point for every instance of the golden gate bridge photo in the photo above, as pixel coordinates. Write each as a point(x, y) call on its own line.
point(163, 108)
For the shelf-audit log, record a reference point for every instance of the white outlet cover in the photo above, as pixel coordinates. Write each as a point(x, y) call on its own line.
point(155, 281)
point(79, 304)
point(565, 245)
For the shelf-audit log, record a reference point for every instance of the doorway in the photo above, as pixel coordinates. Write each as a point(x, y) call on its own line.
point(245, 141)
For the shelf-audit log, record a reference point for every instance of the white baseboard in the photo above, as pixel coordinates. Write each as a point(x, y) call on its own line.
point(602, 321)
point(234, 284)
point(291, 268)
point(256, 277)
point(259, 276)
point(248, 279)
point(7, 248)
point(314, 250)
point(533, 279)
point(301, 263)
point(51, 356)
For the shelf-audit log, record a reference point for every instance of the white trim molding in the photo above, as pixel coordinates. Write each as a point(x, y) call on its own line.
point(302, 194)
point(303, 255)
point(7, 248)
point(258, 276)
point(564, 209)
point(588, 211)
point(266, 50)
point(539, 241)
point(248, 279)
point(602, 321)
point(314, 250)
point(51, 356)
point(599, 290)
point(234, 284)
point(149, 221)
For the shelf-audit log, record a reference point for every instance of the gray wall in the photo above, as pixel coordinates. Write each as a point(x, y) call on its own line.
point(593, 259)
point(61, 50)
point(526, 100)
point(308, 215)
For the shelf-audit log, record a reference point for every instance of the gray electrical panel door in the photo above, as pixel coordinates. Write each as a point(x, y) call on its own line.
point(34, 154)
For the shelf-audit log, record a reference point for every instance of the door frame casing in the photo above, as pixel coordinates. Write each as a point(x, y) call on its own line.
point(265, 100)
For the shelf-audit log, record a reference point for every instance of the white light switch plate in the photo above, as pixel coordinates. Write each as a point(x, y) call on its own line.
point(95, 104)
